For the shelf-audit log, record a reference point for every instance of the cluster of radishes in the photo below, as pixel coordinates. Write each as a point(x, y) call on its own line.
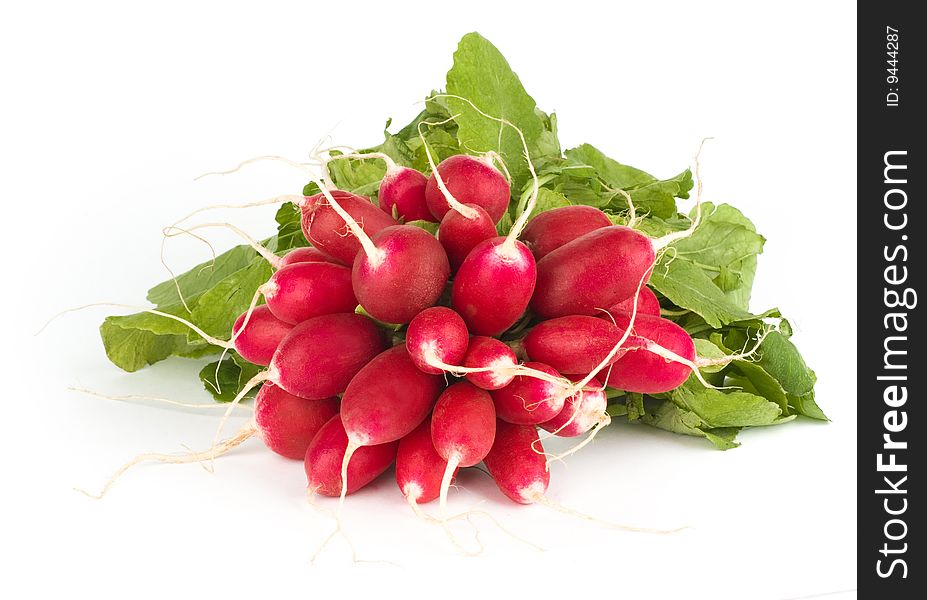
point(452, 394)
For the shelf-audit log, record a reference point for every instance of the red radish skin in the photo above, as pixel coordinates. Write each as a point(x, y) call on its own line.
point(553, 228)
point(460, 235)
point(463, 424)
point(581, 412)
point(299, 255)
point(319, 357)
point(388, 398)
point(258, 341)
point(463, 427)
point(309, 289)
point(437, 335)
point(519, 470)
point(486, 352)
point(326, 230)
point(641, 370)
point(529, 400)
point(326, 453)
point(403, 189)
point(647, 304)
point(288, 423)
point(419, 467)
point(493, 286)
point(470, 180)
point(406, 275)
point(592, 272)
point(573, 344)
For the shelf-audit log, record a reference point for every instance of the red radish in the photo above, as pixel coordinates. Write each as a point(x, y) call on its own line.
point(436, 338)
point(325, 456)
point(325, 229)
point(401, 271)
point(529, 400)
point(470, 180)
point(304, 254)
point(487, 352)
point(419, 467)
point(403, 189)
point(553, 228)
point(573, 344)
point(257, 340)
point(581, 412)
point(494, 284)
point(304, 290)
point(518, 469)
point(320, 356)
point(463, 427)
point(647, 304)
point(592, 272)
point(660, 356)
point(386, 401)
point(288, 423)
point(459, 234)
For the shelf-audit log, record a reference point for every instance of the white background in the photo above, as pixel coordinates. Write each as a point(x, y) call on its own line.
point(110, 110)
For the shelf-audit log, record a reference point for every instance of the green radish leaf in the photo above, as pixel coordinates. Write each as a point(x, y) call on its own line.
point(217, 309)
point(134, 341)
point(665, 415)
point(725, 408)
point(548, 200)
point(289, 230)
point(429, 226)
point(688, 286)
point(781, 359)
point(201, 277)
point(724, 245)
point(223, 380)
point(805, 405)
point(482, 75)
point(650, 195)
point(615, 174)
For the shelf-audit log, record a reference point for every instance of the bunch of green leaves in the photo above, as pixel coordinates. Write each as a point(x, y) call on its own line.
point(704, 282)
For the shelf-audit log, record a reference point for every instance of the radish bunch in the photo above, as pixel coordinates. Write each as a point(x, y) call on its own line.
point(446, 312)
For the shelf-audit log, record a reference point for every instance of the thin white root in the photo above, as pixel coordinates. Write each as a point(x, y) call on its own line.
point(143, 398)
point(348, 453)
point(452, 464)
point(298, 200)
point(390, 163)
point(173, 275)
point(724, 360)
point(257, 159)
point(336, 516)
point(274, 260)
point(540, 498)
point(463, 209)
point(670, 356)
point(193, 457)
point(208, 338)
point(522, 220)
point(602, 424)
point(515, 370)
point(670, 238)
point(632, 212)
point(251, 384)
